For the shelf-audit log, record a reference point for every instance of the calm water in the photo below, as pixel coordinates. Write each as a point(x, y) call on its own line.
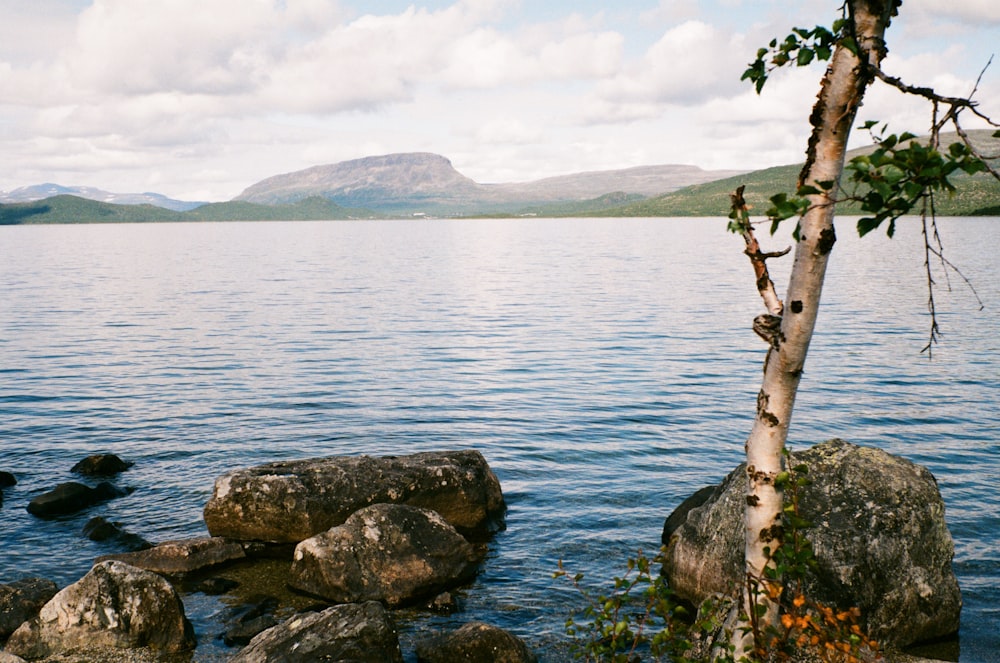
point(605, 368)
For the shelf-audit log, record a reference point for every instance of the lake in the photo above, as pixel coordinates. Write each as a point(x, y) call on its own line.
point(605, 367)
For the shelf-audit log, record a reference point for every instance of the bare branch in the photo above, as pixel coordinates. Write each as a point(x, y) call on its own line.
point(758, 258)
point(926, 92)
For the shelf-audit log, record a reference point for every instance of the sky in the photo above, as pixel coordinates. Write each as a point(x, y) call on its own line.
point(199, 99)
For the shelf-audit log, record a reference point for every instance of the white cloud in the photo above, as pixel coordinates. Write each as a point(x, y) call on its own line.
point(690, 64)
point(235, 90)
point(965, 11)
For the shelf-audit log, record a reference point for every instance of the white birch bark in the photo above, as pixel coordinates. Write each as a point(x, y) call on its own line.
point(840, 95)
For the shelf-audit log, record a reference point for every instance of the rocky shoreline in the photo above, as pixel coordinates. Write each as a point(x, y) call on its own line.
point(355, 538)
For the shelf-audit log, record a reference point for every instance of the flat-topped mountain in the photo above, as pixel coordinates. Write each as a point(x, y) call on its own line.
point(423, 182)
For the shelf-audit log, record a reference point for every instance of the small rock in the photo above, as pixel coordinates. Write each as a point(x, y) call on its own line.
point(182, 556)
point(386, 552)
point(99, 529)
point(7, 480)
point(356, 632)
point(243, 632)
point(70, 497)
point(21, 600)
point(443, 602)
point(475, 641)
point(102, 465)
point(216, 586)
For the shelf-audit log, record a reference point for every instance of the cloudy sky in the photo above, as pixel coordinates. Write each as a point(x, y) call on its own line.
point(198, 99)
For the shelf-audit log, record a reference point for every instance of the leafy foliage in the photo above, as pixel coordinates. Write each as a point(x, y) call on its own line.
point(902, 172)
point(641, 619)
point(801, 48)
point(639, 615)
point(830, 634)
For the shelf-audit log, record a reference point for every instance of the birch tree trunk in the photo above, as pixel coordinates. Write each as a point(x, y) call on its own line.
point(841, 92)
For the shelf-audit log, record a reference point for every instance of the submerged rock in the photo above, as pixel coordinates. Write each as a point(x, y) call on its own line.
point(7, 480)
point(21, 600)
point(294, 500)
point(357, 632)
point(70, 497)
point(114, 606)
point(102, 465)
point(101, 530)
point(475, 641)
point(879, 536)
point(392, 553)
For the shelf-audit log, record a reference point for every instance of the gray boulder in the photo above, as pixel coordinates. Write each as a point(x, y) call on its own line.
point(360, 633)
point(114, 606)
point(879, 537)
point(392, 553)
point(288, 502)
point(183, 556)
point(475, 642)
point(21, 600)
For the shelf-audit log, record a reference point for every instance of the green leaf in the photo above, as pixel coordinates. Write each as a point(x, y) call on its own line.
point(805, 57)
point(867, 224)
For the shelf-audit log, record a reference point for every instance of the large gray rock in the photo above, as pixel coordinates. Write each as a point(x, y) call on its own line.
point(21, 600)
point(392, 553)
point(361, 633)
point(473, 642)
point(879, 537)
point(182, 556)
point(114, 606)
point(288, 502)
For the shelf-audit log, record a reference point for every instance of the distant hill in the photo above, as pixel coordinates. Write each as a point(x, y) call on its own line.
point(27, 194)
point(977, 195)
point(73, 209)
point(420, 182)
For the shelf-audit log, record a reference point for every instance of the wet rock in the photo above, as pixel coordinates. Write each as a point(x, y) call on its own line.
point(114, 606)
point(70, 497)
point(21, 600)
point(475, 641)
point(215, 586)
point(101, 465)
point(292, 501)
point(357, 632)
point(101, 530)
point(7, 480)
point(879, 537)
point(182, 556)
point(392, 553)
point(250, 619)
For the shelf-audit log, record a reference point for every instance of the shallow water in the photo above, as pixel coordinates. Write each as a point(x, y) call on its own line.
point(605, 368)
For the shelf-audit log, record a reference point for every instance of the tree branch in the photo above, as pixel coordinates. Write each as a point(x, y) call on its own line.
point(758, 258)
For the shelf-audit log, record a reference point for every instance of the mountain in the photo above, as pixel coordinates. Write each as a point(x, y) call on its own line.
point(420, 182)
point(27, 194)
